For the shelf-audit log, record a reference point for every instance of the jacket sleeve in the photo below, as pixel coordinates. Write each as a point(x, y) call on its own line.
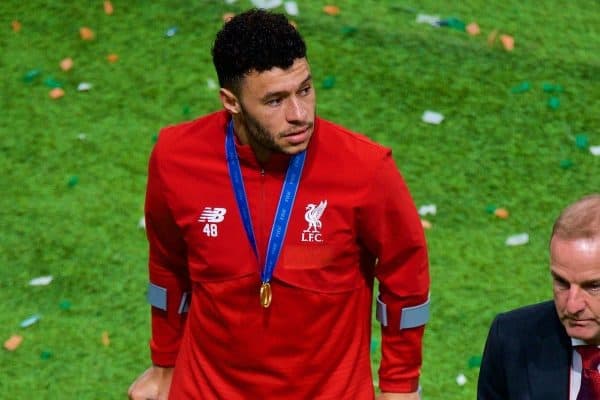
point(394, 234)
point(492, 377)
point(169, 282)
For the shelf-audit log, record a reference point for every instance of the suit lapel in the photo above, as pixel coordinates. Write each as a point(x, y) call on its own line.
point(549, 361)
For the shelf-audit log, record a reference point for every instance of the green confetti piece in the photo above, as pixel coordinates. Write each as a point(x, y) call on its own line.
point(553, 102)
point(490, 208)
point(65, 305)
point(328, 82)
point(31, 75)
point(474, 362)
point(581, 141)
point(348, 30)
point(550, 88)
point(455, 23)
point(53, 83)
point(46, 355)
point(186, 111)
point(566, 164)
point(154, 138)
point(73, 181)
point(521, 88)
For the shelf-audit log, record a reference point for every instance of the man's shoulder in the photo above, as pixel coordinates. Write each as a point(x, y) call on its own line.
point(348, 142)
point(202, 128)
point(524, 318)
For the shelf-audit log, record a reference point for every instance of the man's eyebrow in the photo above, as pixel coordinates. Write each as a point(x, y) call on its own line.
point(283, 92)
point(557, 276)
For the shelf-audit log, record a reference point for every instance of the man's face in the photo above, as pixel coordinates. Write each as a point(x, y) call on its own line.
point(277, 110)
point(575, 269)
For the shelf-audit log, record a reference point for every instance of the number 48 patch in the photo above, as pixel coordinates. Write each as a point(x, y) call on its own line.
point(211, 230)
point(212, 216)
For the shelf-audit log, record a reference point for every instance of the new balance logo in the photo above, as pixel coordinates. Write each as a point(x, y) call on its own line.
point(211, 216)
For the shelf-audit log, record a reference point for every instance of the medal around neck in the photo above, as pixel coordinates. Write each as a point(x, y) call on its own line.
point(282, 215)
point(265, 294)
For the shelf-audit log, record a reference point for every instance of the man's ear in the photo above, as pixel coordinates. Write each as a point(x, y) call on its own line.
point(230, 101)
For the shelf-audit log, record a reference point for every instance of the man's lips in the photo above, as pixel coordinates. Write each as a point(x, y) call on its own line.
point(298, 136)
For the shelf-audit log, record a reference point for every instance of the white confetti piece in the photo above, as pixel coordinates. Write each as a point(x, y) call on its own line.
point(30, 321)
point(230, 1)
point(266, 4)
point(517, 240)
point(142, 223)
point(432, 117)
point(171, 32)
point(433, 20)
point(211, 84)
point(82, 136)
point(595, 150)
point(84, 86)
point(427, 209)
point(461, 379)
point(41, 281)
point(291, 7)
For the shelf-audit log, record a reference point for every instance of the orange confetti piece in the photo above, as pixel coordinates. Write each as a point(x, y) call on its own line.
point(56, 93)
point(501, 213)
point(105, 339)
point(86, 33)
point(473, 29)
point(426, 224)
point(508, 42)
point(16, 26)
point(491, 39)
point(112, 58)
point(13, 342)
point(66, 64)
point(227, 16)
point(108, 8)
point(331, 10)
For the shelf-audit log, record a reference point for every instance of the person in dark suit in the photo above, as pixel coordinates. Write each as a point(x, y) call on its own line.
point(546, 351)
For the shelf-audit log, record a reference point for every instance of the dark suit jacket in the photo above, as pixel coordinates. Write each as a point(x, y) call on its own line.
point(527, 356)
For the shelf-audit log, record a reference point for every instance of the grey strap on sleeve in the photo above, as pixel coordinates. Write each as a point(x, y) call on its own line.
point(157, 296)
point(414, 316)
point(381, 312)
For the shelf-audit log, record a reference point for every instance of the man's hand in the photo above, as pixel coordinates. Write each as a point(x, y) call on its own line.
point(153, 384)
point(398, 396)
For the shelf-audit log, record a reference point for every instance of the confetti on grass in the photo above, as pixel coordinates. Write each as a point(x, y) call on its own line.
point(26, 323)
point(86, 33)
point(331, 10)
point(517, 240)
point(56, 93)
point(108, 8)
point(432, 117)
point(501, 213)
point(105, 339)
point(66, 64)
point(41, 281)
point(13, 342)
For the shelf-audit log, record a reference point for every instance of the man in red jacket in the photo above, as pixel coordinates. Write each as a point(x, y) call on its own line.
point(267, 226)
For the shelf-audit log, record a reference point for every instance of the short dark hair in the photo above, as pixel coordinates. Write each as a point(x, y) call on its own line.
point(256, 40)
point(580, 220)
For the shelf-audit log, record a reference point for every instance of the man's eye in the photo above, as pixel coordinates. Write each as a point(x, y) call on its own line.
point(274, 102)
point(305, 91)
point(560, 284)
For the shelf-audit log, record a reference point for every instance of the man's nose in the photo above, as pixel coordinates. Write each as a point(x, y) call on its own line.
point(575, 300)
point(295, 110)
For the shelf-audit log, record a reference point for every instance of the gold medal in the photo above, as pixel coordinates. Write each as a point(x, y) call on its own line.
point(265, 294)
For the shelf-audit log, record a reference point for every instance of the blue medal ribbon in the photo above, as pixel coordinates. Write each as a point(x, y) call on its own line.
point(284, 207)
